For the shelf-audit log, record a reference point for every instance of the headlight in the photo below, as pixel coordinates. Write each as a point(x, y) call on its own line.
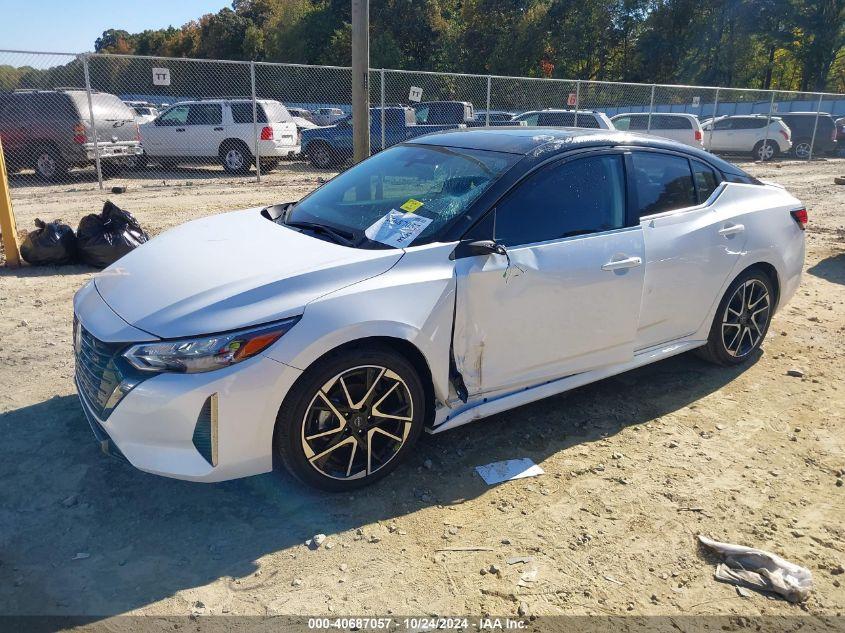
point(206, 353)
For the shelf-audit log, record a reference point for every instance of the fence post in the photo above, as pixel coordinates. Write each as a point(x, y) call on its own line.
point(713, 121)
point(815, 127)
point(768, 122)
point(7, 218)
point(93, 122)
point(487, 117)
point(383, 133)
point(651, 107)
point(255, 124)
point(577, 101)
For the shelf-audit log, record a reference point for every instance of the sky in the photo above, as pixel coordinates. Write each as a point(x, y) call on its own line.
point(73, 25)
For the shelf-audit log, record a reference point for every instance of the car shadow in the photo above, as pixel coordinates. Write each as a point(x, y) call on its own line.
point(27, 270)
point(85, 534)
point(830, 269)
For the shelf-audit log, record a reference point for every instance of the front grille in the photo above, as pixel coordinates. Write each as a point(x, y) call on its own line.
point(99, 371)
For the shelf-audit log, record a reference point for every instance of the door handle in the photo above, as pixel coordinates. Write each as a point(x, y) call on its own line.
point(619, 264)
point(731, 229)
point(218, 129)
point(180, 129)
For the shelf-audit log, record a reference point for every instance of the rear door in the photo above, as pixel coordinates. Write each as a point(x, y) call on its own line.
point(566, 297)
point(692, 243)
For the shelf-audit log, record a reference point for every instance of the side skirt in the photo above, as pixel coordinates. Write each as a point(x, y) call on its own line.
point(491, 406)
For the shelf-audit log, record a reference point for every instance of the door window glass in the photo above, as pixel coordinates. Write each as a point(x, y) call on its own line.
point(663, 183)
point(724, 124)
point(583, 196)
point(706, 180)
point(205, 114)
point(177, 115)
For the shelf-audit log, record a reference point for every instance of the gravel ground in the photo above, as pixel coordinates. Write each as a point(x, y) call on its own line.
point(636, 466)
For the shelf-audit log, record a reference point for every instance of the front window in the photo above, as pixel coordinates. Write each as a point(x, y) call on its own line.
point(431, 184)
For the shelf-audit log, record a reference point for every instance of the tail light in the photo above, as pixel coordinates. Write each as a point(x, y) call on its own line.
point(79, 135)
point(800, 216)
point(266, 133)
point(698, 135)
point(785, 134)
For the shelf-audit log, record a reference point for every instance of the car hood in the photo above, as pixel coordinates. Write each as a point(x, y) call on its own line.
point(230, 271)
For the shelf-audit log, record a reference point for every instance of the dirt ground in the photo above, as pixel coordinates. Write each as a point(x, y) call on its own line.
point(635, 467)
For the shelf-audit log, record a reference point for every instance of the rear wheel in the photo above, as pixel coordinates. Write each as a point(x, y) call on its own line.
point(48, 164)
point(765, 150)
point(350, 418)
point(235, 157)
point(111, 169)
point(322, 155)
point(741, 321)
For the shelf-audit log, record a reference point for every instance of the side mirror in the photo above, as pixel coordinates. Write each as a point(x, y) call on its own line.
point(479, 247)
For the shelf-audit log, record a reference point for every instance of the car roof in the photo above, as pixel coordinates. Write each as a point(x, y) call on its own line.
point(685, 115)
point(542, 142)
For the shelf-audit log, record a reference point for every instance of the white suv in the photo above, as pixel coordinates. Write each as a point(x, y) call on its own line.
point(747, 134)
point(566, 118)
point(683, 128)
point(221, 129)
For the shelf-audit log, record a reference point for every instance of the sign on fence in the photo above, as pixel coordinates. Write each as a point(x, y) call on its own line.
point(572, 100)
point(415, 94)
point(696, 102)
point(161, 76)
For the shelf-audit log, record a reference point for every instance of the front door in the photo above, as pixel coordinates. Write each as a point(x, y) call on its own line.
point(566, 297)
point(167, 135)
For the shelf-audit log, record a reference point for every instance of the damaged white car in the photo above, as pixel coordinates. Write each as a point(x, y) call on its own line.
point(440, 281)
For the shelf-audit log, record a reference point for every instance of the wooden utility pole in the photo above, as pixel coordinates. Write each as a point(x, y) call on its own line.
point(7, 218)
point(360, 79)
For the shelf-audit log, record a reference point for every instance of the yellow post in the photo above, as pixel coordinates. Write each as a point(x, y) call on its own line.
point(7, 218)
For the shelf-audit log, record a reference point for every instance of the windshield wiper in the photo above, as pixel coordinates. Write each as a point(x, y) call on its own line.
point(336, 237)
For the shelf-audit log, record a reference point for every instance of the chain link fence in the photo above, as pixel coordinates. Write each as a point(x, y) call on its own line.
point(86, 118)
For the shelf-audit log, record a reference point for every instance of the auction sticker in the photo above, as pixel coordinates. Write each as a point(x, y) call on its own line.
point(411, 205)
point(397, 229)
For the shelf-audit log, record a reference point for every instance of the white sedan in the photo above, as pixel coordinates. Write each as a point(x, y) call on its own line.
point(440, 281)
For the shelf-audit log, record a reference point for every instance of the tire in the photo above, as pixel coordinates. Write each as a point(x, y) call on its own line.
point(735, 316)
point(269, 164)
point(765, 150)
point(801, 149)
point(322, 155)
point(48, 164)
point(363, 386)
point(235, 157)
point(137, 162)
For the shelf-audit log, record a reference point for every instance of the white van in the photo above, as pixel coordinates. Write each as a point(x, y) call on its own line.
point(683, 128)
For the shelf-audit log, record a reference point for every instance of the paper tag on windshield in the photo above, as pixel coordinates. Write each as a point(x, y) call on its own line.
point(411, 205)
point(397, 229)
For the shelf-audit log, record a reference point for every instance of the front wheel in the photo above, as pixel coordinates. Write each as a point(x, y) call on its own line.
point(802, 150)
point(741, 321)
point(351, 418)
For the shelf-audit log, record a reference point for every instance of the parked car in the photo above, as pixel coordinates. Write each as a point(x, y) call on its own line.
point(327, 116)
point(747, 134)
point(566, 118)
point(443, 280)
point(302, 113)
point(840, 133)
point(221, 130)
point(302, 118)
point(454, 113)
point(144, 111)
point(496, 116)
point(683, 128)
point(332, 145)
point(50, 131)
point(801, 125)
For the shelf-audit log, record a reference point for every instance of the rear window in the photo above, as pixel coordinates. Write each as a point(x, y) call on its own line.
point(663, 183)
point(107, 107)
point(268, 111)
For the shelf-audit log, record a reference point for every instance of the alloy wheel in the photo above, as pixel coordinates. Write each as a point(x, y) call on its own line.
point(802, 150)
point(746, 318)
point(766, 151)
point(46, 165)
point(322, 158)
point(357, 422)
point(234, 159)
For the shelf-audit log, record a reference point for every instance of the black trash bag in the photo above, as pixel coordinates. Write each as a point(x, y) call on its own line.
point(51, 244)
point(103, 239)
